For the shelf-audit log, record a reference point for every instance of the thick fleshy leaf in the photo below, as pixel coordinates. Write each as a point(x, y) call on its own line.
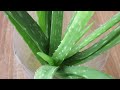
point(44, 21)
point(45, 72)
point(102, 29)
point(103, 49)
point(111, 39)
point(62, 75)
point(46, 58)
point(48, 31)
point(85, 72)
point(56, 30)
point(82, 34)
point(25, 37)
point(74, 30)
point(31, 28)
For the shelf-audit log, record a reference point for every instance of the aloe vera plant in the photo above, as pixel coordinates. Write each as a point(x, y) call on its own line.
point(62, 58)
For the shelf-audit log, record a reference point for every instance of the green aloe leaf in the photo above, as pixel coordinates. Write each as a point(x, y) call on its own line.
point(56, 30)
point(31, 28)
point(44, 21)
point(45, 72)
point(112, 39)
point(102, 50)
point(25, 37)
point(49, 16)
point(83, 33)
point(46, 58)
point(85, 72)
point(73, 35)
point(62, 75)
point(102, 29)
point(73, 77)
point(113, 34)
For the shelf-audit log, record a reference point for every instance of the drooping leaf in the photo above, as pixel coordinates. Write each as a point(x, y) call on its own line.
point(73, 34)
point(45, 72)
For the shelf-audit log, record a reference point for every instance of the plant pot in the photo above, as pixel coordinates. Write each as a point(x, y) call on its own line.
point(30, 63)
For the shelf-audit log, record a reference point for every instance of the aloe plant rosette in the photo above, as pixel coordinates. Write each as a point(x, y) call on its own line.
point(61, 57)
